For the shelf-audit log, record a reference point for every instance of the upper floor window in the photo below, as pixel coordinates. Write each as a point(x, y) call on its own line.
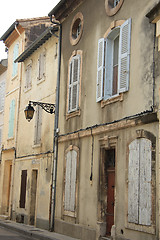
point(28, 76)
point(113, 62)
point(41, 66)
point(15, 55)
point(2, 95)
point(74, 81)
point(112, 6)
point(76, 28)
point(11, 119)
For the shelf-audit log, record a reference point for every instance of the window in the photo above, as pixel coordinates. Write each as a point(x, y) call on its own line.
point(23, 189)
point(74, 81)
point(113, 6)
point(113, 62)
point(11, 119)
point(15, 55)
point(139, 182)
point(28, 77)
point(2, 95)
point(38, 124)
point(70, 185)
point(76, 28)
point(0, 137)
point(41, 66)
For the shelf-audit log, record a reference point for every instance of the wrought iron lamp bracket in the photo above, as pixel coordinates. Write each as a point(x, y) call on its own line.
point(48, 107)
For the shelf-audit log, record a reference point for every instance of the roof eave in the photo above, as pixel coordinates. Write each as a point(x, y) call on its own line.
point(56, 8)
point(9, 31)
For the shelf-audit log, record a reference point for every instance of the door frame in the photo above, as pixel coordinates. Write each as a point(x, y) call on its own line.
point(106, 143)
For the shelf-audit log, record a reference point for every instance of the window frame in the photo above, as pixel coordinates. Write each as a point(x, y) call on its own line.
point(104, 61)
point(74, 111)
point(73, 40)
point(112, 11)
point(141, 133)
point(68, 213)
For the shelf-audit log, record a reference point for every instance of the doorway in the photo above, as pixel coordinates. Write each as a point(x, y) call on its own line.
point(34, 177)
point(110, 185)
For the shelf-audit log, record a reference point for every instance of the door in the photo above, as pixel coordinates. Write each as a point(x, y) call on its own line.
point(33, 196)
point(110, 175)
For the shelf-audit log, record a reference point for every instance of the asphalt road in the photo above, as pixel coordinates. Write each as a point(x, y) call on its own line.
point(7, 234)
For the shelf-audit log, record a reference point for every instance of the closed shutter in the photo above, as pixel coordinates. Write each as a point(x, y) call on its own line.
point(70, 181)
point(133, 182)
point(108, 72)
point(15, 55)
point(100, 70)
point(74, 78)
point(23, 188)
point(28, 76)
point(145, 208)
point(41, 64)
point(11, 119)
point(38, 124)
point(124, 56)
point(0, 137)
point(2, 95)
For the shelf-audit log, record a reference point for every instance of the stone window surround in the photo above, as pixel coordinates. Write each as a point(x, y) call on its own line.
point(73, 41)
point(112, 11)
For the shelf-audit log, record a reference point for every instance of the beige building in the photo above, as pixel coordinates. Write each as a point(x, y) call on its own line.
point(108, 147)
point(17, 38)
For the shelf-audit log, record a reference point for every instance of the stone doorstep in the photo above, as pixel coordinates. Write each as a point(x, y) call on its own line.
point(106, 238)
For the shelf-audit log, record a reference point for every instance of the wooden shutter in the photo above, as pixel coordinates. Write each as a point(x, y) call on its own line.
point(11, 119)
point(23, 188)
point(108, 72)
point(124, 56)
point(41, 66)
point(70, 181)
point(38, 124)
point(74, 78)
point(100, 70)
point(28, 76)
point(15, 55)
point(145, 208)
point(133, 182)
point(2, 95)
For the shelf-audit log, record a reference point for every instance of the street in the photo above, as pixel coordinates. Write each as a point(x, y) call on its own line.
point(7, 234)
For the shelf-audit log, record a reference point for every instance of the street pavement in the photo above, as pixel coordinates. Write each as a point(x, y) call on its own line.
point(10, 230)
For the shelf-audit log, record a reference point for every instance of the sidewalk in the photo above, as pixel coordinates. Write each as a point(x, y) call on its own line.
point(33, 231)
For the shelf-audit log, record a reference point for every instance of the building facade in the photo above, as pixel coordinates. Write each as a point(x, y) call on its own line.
point(108, 147)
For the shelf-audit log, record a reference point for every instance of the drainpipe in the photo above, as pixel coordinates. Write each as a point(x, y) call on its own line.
point(55, 141)
point(16, 132)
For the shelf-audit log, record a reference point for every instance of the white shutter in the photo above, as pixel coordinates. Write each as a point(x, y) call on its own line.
point(124, 56)
point(38, 124)
point(145, 208)
point(133, 182)
point(41, 66)
point(74, 78)
point(2, 95)
point(28, 76)
point(67, 182)
point(109, 70)
point(73, 181)
point(0, 137)
point(100, 69)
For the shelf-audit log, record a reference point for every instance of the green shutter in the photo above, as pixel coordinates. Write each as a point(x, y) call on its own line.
point(11, 119)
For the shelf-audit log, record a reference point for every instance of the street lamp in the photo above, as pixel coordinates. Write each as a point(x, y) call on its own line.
point(29, 110)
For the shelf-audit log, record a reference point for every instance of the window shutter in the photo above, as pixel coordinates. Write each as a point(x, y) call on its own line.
point(67, 181)
point(124, 56)
point(2, 95)
point(15, 55)
point(73, 180)
point(23, 188)
point(100, 69)
point(11, 119)
point(74, 78)
point(28, 76)
point(108, 72)
point(38, 124)
point(133, 182)
point(0, 137)
point(145, 208)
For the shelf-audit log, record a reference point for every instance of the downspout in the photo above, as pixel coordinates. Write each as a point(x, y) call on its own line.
point(16, 132)
point(55, 141)
point(154, 46)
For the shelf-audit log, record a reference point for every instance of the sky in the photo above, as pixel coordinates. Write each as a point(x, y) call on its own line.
point(18, 9)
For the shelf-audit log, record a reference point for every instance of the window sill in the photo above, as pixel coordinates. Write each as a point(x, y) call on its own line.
point(141, 228)
point(37, 145)
point(73, 114)
point(40, 80)
point(27, 89)
point(13, 78)
point(69, 214)
point(111, 100)
point(10, 139)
